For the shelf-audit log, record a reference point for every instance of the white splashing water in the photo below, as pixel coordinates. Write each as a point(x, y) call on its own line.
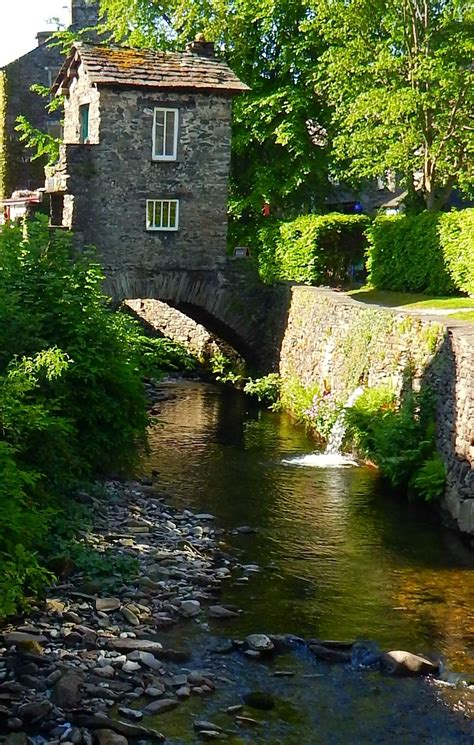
point(336, 438)
point(332, 457)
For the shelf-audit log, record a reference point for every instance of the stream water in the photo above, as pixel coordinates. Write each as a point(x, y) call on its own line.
point(338, 558)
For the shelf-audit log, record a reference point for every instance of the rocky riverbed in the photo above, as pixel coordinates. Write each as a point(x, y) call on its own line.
point(87, 667)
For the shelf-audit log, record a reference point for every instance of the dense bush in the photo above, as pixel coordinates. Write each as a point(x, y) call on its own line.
point(399, 438)
point(71, 398)
point(317, 249)
point(456, 235)
point(429, 252)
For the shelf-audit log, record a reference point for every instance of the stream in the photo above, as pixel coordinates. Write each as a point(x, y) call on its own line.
point(334, 556)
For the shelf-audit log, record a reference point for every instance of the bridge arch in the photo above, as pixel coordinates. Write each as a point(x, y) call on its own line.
point(231, 304)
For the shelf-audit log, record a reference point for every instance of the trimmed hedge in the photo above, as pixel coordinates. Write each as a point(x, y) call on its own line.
point(430, 252)
point(317, 249)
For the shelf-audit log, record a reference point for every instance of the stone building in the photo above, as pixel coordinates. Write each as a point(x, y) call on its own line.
point(41, 66)
point(143, 171)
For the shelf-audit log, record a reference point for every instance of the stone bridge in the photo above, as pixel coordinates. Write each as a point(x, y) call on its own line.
point(229, 302)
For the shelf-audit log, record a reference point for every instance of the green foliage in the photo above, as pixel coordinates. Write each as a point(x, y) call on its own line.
point(3, 134)
point(430, 252)
point(318, 249)
point(429, 481)
point(155, 356)
point(71, 399)
point(456, 237)
point(274, 157)
point(398, 77)
point(399, 438)
point(43, 144)
point(225, 369)
point(266, 389)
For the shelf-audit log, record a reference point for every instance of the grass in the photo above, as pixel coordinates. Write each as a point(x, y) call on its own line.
point(466, 316)
point(414, 300)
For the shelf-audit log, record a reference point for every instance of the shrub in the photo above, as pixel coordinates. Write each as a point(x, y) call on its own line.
point(399, 438)
point(71, 399)
point(265, 389)
point(429, 252)
point(317, 249)
point(456, 234)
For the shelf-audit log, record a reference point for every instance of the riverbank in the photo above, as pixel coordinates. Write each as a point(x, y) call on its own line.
point(90, 665)
point(165, 650)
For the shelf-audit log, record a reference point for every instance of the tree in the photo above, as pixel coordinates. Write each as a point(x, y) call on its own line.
point(279, 153)
point(398, 75)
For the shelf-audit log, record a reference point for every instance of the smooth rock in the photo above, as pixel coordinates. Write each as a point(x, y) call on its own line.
point(330, 655)
point(203, 725)
point(130, 667)
point(190, 608)
point(259, 643)
point(219, 611)
point(67, 692)
point(399, 662)
point(22, 638)
point(140, 645)
point(35, 711)
point(160, 707)
point(134, 714)
point(148, 659)
point(107, 605)
point(109, 737)
point(130, 616)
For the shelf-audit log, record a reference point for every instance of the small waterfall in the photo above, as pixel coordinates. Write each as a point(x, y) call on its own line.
point(332, 457)
point(338, 431)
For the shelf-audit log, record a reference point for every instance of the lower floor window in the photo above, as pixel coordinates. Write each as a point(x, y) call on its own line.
point(162, 214)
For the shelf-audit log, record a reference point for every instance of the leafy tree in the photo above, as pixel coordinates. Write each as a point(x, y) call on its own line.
point(279, 153)
point(399, 77)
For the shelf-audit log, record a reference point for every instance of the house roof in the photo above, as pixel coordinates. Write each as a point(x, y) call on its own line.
point(144, 68)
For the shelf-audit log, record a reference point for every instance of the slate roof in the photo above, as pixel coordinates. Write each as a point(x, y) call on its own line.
point(142, 68)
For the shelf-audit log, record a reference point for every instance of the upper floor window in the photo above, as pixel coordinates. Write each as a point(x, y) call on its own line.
point(162, 214)
point(165, 134)
point(84, 123)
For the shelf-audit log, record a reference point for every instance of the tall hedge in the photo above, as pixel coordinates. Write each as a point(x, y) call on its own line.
point(429, 252)
point(317, 249)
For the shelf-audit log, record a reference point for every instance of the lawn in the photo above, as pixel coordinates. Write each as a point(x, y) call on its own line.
point(414, 300)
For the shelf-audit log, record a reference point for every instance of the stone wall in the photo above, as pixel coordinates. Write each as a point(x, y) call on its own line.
point(333, 340)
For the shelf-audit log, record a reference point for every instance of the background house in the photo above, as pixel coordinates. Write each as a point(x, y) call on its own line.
point(41, 65)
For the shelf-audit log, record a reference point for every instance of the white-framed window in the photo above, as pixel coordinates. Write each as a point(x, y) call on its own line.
point(162, 214)
point(165, 134)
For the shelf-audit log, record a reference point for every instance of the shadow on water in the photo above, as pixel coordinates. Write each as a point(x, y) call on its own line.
point(339, 558)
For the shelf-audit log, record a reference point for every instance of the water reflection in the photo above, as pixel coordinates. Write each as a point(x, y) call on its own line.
point(341, 558)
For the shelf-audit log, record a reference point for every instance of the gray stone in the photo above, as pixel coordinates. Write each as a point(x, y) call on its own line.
point(67, 692)
point(35, 711)
point(190, 608)
point(141, 645)
point(107, 605)
point(219, 611)
point(160, 707)
point(259, 643)
point(403, 663)
point(109, 737)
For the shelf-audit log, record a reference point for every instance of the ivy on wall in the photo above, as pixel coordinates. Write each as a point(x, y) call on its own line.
point(3, 134)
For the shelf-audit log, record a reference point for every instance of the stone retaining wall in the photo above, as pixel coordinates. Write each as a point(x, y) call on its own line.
point(334, 340)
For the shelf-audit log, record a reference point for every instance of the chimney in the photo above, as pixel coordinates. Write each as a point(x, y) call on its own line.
point(201, 47)
point(84, 13)
point(43, 36)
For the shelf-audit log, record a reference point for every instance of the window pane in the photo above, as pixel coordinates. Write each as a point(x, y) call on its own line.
point(166, 215)
point(169, 139)
point(159, 132)
point(149, 217)
point(173, 210)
